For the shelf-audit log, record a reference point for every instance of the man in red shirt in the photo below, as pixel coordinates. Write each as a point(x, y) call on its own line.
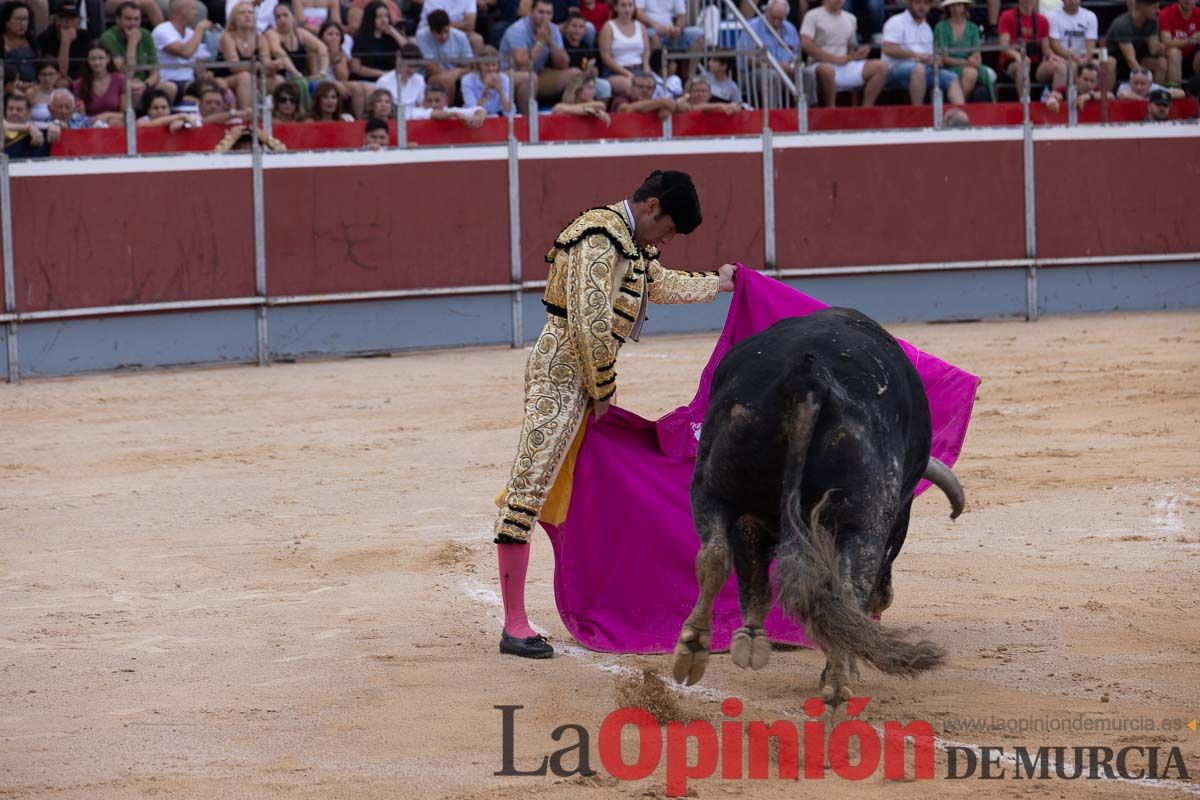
point(1179, 30)
point(1029, 31)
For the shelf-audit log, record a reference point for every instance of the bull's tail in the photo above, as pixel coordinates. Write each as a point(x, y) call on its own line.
point(940, 476)
point(810, 585)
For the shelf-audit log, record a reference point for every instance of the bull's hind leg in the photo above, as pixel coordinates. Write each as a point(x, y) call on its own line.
point(751, 560)
point(859, 557)
point(714, 520)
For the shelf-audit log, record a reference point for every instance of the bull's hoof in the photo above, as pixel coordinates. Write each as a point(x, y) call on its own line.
point(750, 648)
point(691, 655)
point(834, 694)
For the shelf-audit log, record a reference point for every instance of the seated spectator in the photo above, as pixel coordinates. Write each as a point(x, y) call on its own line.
point(65, 113)
point(1074, 34)
point(698, 97)
point(579, 100)
point(666, 23)
point(239, 138)
point(215, 110)
point(641, 99)
point(285, 104)
point(535, 46)
point(101, 89)
point(16, 44)
point(376, 44)
point(582, 54)
point(264, 12)
point(594, 12)
point(828, 35)
point(908, 54)
point(129, 43)
point(178, 45)
point(22, 138)
point(958, 37)
point(156, 111)
point(328, 105)
point(380, 104)
point(407, 89)
point(1179, 32)
point(315, 13)
point(1141, 85)
point(1159, 108)
point(774, 16)
point(1133, 41)
point(1030, 32)
point(65, 39)
point(356, 9)
point(443, 41)
point(723, 87)
point(39, 93)
point(293, 52)
point(240, 43)
point(624, 47)
point(437, 106)
point(1087, 81)
point(333, 37)
point(376, 135)
point(149, 9)
point(488, 87)
point(461, 15)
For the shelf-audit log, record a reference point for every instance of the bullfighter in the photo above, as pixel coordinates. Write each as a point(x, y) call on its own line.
point(603, 268)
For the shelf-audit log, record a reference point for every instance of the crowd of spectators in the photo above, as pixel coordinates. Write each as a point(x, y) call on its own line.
point(186, 63)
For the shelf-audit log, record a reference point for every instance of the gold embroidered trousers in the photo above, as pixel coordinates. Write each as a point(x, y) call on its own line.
point(555, 405)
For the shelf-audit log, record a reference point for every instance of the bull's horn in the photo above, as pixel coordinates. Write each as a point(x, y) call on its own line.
point(940, 476)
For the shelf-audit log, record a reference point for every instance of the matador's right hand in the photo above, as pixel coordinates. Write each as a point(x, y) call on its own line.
point(600, 408)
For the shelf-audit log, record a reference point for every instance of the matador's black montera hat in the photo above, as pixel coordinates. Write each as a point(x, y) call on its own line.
point(679, 199)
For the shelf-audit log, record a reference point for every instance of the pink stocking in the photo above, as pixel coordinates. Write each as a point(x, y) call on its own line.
point(514, 563)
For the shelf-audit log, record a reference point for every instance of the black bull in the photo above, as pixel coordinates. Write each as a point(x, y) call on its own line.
point(816, 435)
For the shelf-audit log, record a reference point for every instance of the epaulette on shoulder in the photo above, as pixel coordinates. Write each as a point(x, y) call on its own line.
point(604, 221)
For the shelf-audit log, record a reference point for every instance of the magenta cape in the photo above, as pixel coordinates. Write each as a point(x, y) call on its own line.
point(624, 574)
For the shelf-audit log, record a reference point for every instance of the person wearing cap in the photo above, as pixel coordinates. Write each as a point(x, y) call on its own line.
point(958, 38)
point(1159, 109)
point(65, 40)
point(604, 267)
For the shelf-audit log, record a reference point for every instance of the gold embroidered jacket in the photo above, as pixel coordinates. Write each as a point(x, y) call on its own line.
point(600, 281)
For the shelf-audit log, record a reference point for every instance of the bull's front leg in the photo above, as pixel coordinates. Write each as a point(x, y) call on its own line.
point(713, 564)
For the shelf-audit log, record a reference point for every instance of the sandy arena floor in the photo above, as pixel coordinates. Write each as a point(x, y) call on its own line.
point(251, 583)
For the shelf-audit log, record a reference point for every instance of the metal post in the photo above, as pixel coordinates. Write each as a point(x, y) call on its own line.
point(512, 106)
point(768, 175)
point(401, 108)
point(1072, 111)
point(667, 128)
point(938, 100)
point(264, 100)
point(765, 101)
point(10, 284)
point(801, 99)
point(260, 244)
point(130, 120)
point(1025, 90)
point(533, 106)
point(1031, 291)
point(514, 239)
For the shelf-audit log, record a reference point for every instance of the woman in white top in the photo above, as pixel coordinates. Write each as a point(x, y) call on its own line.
point(624, 48)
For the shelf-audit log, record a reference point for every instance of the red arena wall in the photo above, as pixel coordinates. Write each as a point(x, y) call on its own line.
point(1117, 197)
point(130, 231)
point(112, 239)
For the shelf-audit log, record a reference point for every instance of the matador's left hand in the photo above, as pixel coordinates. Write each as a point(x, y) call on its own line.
point(726, 273)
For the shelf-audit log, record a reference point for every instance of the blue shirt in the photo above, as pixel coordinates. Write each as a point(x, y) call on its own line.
point(476, 94)
point(519, 36)
point(457, 46)
point(789, 35)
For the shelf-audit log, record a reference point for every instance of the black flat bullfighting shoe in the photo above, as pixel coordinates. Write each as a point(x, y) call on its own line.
point(528, 647)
